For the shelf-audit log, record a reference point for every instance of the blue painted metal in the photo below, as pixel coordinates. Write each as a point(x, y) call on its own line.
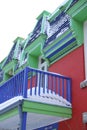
point(69, 91)
point(13, 87)
point(24, 120)
point(36, 80)
point(58, 85)
point(20, 83)
point(49, 127)
point(39, 83)
point(25, 82)
point(55, 84)
point(31, 74)
point(63, 88)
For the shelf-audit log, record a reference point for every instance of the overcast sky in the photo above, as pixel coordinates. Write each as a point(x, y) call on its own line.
point(18, 18)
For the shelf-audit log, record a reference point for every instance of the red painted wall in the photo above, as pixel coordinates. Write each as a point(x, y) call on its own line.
point(72, 65)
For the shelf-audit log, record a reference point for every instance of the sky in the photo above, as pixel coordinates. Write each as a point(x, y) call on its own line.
point(18, 18)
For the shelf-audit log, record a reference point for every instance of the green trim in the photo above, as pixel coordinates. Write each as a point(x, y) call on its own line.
point(54, 43)
point(9, 114)
point(54, 14)
point(78, 11)
point(52, 110)
point(32, 47)
point(57, 11)
point(18, 39)
point(43, 13)
point(34, 50)
point(77, 27)
point(10, 67)
point(57, 40)
point(43, 24)
point(33, 61)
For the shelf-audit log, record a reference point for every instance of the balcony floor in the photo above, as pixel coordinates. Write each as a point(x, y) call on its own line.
point(49, 98)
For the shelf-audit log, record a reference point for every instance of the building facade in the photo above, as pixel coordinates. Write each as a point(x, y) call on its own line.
point(44, 77)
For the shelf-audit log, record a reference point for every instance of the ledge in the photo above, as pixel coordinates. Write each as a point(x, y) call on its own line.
point(83, 84)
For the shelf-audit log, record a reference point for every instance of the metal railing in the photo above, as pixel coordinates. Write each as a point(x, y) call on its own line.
point(37, 82)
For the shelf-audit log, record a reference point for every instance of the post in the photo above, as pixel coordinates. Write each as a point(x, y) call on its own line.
point(25, 83)
point(23, 115)
point(23, 118)
point(69, 90)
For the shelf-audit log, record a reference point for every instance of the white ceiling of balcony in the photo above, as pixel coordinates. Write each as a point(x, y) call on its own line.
point(34, 121)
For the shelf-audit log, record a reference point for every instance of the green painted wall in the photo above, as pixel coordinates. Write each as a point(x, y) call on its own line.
point(33, 61)
point(78, 30)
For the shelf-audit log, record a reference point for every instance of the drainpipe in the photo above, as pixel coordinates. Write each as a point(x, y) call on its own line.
point(85, 47)
point(84, 83)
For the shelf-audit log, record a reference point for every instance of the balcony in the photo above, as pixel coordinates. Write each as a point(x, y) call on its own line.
point(42, 95)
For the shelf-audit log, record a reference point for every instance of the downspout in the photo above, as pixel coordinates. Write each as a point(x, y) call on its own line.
point(84, 83)
point(85, 48)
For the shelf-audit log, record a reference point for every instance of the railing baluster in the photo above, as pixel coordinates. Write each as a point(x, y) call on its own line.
point(25, 82)
point(54, 84)
point(51, 84)
point(59, 86)
point(62, 87)
point(31, 76)
point(47, 83)
point(40, 80)
point(36, 82)
point(43, 83)
point(69, 90)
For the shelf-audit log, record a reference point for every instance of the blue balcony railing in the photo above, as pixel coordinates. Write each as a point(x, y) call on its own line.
point(37, 82)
